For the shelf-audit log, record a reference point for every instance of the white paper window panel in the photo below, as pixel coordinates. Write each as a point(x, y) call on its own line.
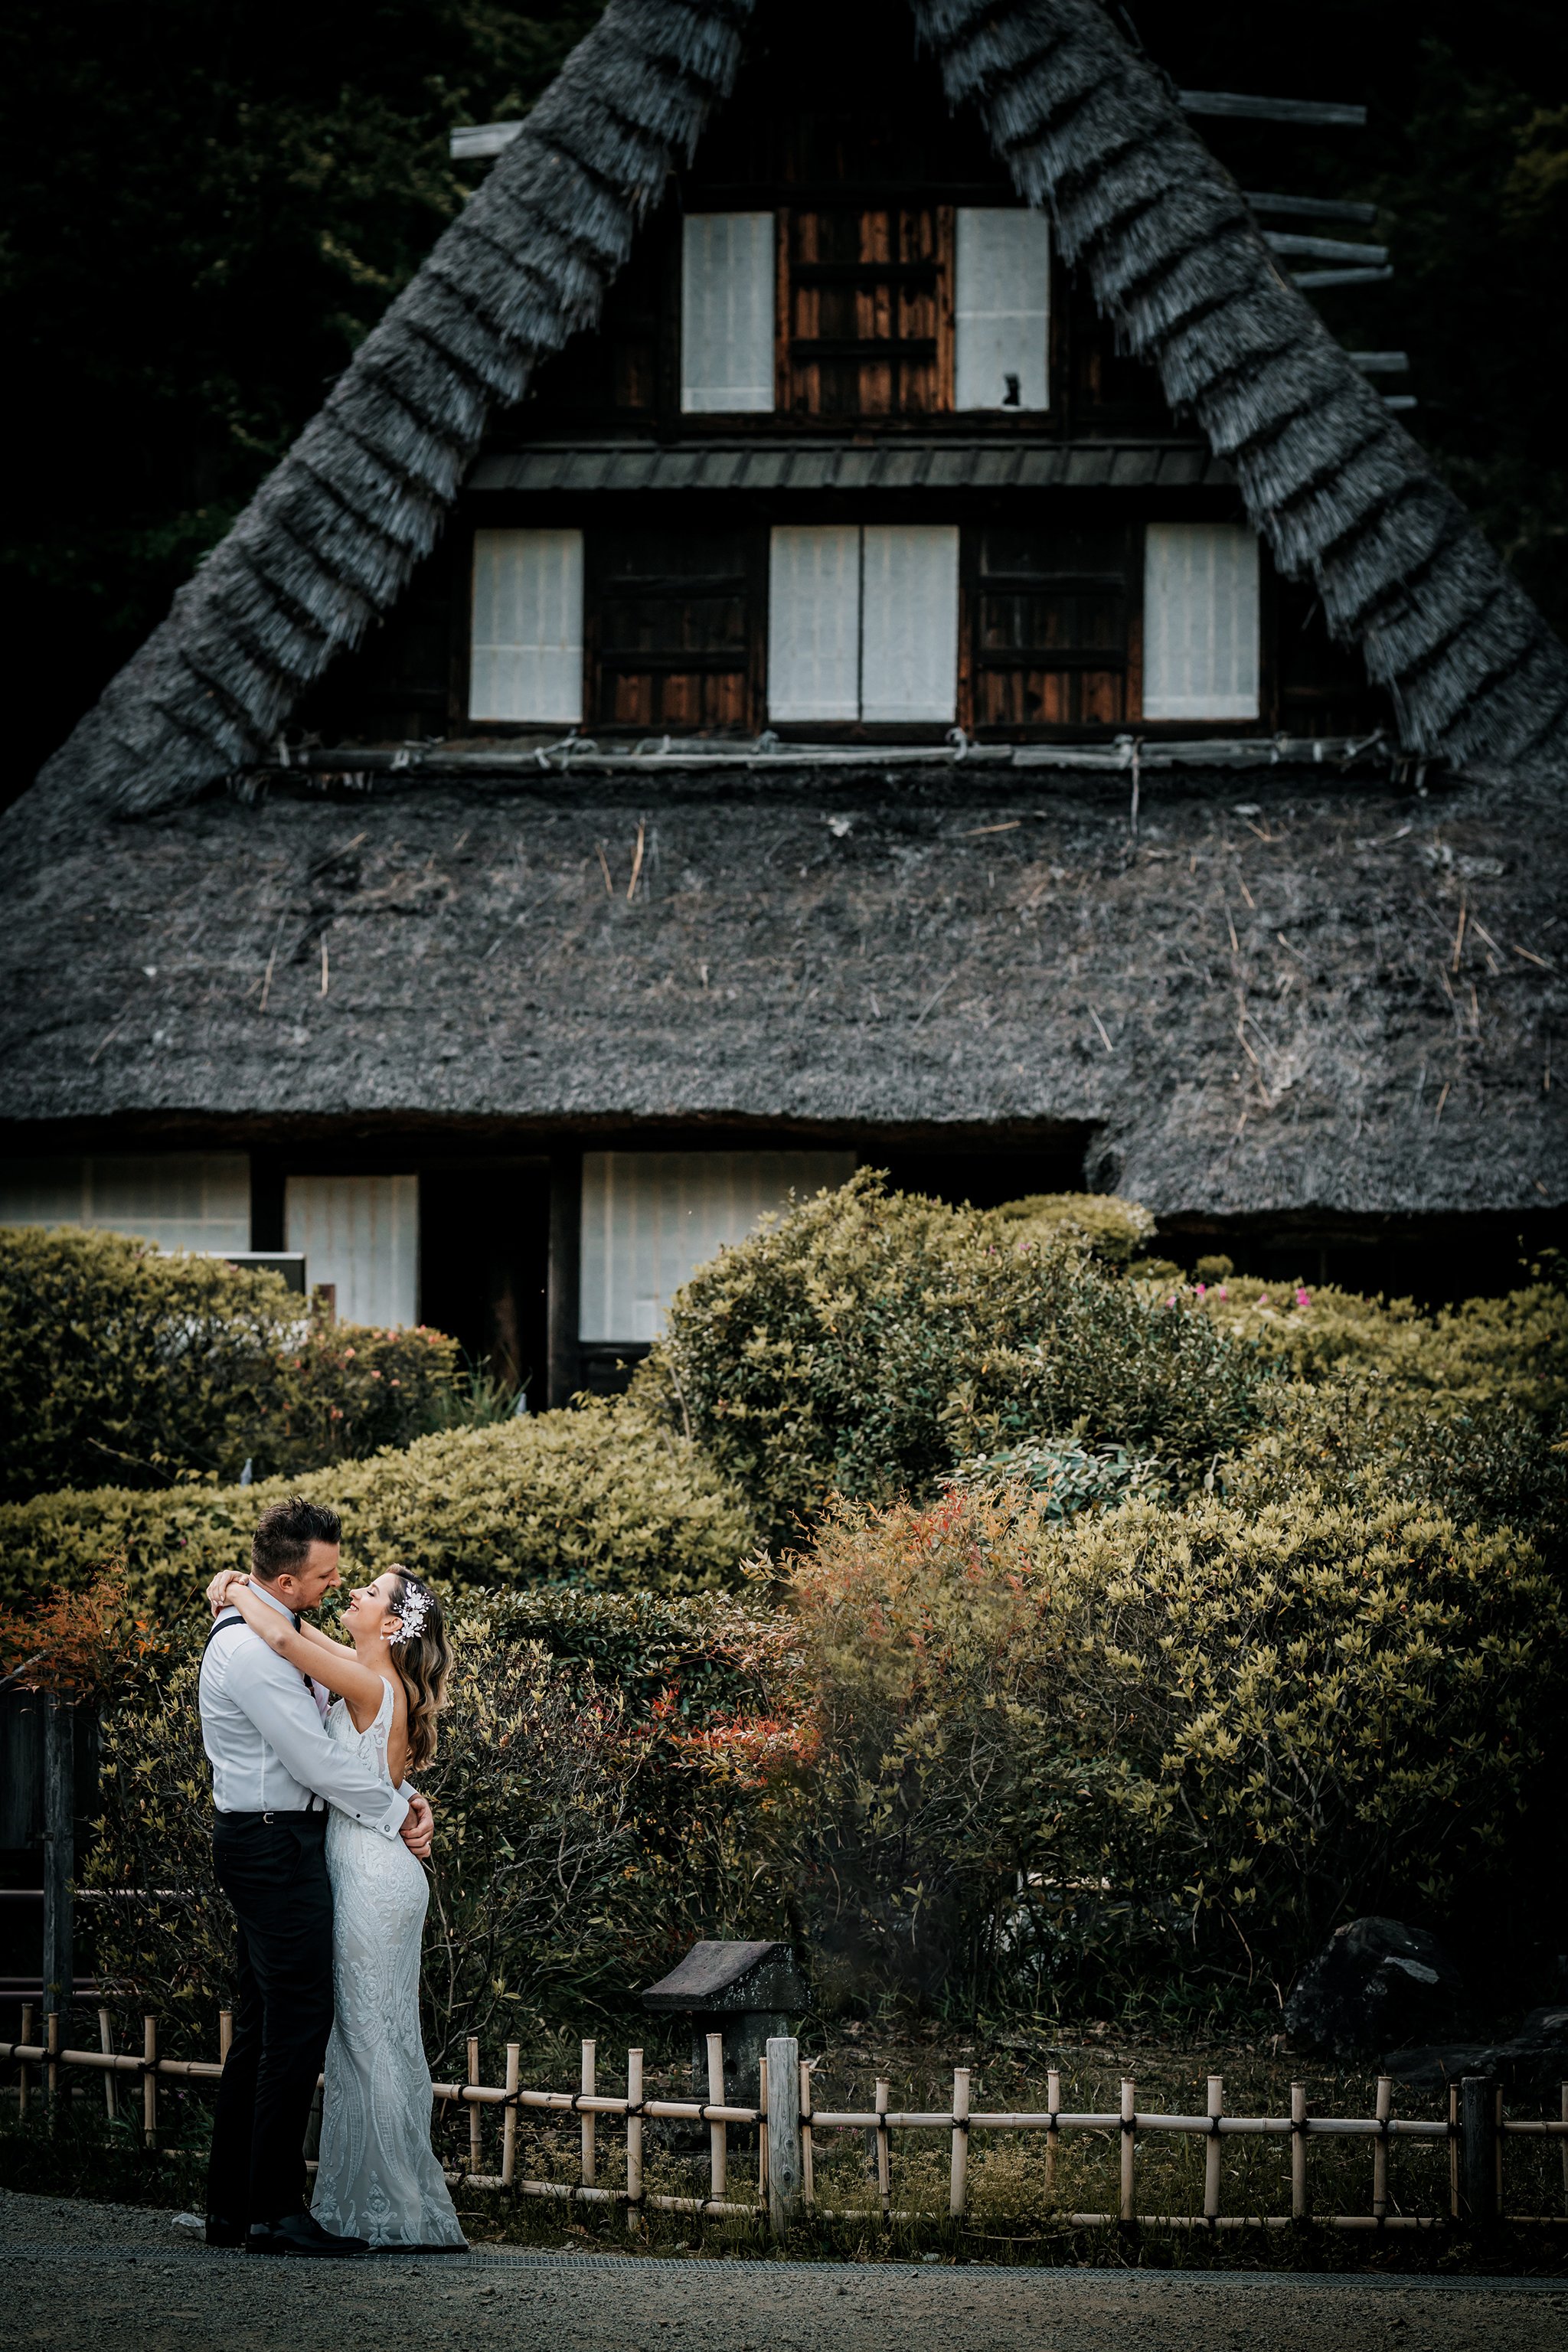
point(727, 313)
point(814, 622)
point(525, 655)
point(1200, 621)
point(863, 624)
point(651, 1218)
point(1002, 279)
point(909, 622)
point(177, 1200)
point(360, 1234)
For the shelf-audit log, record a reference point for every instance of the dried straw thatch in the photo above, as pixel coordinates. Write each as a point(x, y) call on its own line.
point(1085, 127)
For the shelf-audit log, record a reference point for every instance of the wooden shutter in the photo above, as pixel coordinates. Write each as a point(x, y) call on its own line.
point(1051, 627)
point(1200, 621)
point(525, 659)
point(651, 1218)
point(1002, 275)
point(867, 308)
point(360, 1235)
point(814, 622)
point(727, 313)
point(909, 622)
point(671, 620)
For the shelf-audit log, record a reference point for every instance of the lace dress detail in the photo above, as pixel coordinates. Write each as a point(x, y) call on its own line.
point(378, 2176)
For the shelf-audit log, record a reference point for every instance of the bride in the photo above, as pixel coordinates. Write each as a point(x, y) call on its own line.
point(378, 2178)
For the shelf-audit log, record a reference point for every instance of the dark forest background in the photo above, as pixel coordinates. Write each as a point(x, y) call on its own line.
point(205, 206)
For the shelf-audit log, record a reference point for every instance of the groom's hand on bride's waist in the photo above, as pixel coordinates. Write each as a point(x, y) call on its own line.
point(418, 1831)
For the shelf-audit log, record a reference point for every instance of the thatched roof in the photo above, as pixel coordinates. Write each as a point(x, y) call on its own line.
point(1085, 126)
point(1269, 1006)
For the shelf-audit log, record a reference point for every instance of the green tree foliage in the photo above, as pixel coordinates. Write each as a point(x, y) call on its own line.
point(601, 1496)
point(1161, 1741)
point(869, 1341)
point(206, 210)
point(115, 1362)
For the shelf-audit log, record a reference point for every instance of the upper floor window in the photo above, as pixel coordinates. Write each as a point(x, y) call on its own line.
point(886, 310)
point(727, 313)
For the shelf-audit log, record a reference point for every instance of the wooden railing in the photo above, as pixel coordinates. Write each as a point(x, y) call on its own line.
point(788, 2125)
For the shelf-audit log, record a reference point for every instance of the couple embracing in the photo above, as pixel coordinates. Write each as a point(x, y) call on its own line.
point(318, 1841)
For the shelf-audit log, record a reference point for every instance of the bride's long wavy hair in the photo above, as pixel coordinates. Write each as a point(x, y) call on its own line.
point(425, 1661)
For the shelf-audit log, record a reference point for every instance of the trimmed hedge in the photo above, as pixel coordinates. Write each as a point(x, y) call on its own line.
point(600, 1495)
point(116, 1361)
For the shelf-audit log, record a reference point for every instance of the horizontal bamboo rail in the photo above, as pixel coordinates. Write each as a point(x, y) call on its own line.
point(792, 2114)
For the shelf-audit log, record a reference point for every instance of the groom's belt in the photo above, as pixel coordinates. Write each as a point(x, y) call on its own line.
point(316, 1808)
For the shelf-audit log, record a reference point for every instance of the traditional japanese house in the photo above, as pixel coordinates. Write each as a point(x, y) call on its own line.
point(852, 611)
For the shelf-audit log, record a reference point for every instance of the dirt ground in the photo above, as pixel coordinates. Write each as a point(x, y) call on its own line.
point(123, 2279)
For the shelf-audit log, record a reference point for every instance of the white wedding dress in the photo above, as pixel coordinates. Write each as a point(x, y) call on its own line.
point(378, 2176)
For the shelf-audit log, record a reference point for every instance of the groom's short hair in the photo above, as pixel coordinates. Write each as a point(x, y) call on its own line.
point(285, 1532)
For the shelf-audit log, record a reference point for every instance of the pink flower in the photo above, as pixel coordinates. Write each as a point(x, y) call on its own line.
point(1302, 1298)
point(1203, 1290)
point(348, 1355)
point(1222, 1292)
point(1263, 1298)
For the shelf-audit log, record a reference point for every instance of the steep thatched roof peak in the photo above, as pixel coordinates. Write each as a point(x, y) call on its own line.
point(1087, 128)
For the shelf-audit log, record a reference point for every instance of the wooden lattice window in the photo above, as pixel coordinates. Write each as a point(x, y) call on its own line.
point(1053, 627)
point(671, 642)
point(866, 310)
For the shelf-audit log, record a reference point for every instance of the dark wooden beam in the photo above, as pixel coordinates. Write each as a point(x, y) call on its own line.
point(564, 1275)
point(59, 1851)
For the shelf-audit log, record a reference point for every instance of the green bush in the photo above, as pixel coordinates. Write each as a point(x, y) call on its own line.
point(1162, 1742)
point(582, 1838)
point(869, 1341)
point(599, 1496)
point(115, 1362)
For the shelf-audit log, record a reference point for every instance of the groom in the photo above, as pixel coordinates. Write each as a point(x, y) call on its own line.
point(274, 1771)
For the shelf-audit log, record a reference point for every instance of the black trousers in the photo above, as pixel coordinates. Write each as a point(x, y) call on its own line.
point(274, 1872)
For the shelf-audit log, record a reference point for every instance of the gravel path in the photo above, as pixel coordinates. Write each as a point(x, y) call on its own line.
point(108, 2278)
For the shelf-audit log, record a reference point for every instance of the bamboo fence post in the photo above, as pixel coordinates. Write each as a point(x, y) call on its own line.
point(1300, 2207)
point(808, 2151)
point(225, 2035)
point(476, 2143)
point(106, 2044)
point(1211, 2149)
point(634, 2140)
point(783, 2131)
point(1498, 2144)
point(1128, 2108)
point(717, 2134)
point(958, 2184)
point(762, 2131)
point(884, 2152)
point(1380, 2150)
point(150, 2082)
point(508, 2115)
point(52, 2064)
point(24, 2080)
point(1053, 2136)
point(1478, 2154)
point(1454, 2151)
point(590, 2121)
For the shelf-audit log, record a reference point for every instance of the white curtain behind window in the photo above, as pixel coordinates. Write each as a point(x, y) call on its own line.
point(360, 1235)
point(651, 1218)
point(1001, 276)
point(727, 313)
point(1200, 621)
point(863, 624)
point(814, 622)
point(178, 1200)
point(525, 656)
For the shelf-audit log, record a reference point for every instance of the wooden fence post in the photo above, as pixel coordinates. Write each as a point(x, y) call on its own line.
point(1129, 2144)
point(1300, 2207)
point(24, 2076)
point(52, 2063)
point(1211, 2149)
point(1053, 2136)
point(106, 2044)
point(509, 2123)
point(884, 2151)
point(783, 2131)
point(150, 2082)
point(809, 2154)
point(717, 2134)
point(1478, 2151)
point(1380, 2150)
point(588, 2078)
point(958, 2184)
point(224, 2035)
point(634, 2140)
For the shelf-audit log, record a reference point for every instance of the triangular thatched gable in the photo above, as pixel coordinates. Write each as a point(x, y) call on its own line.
point(1087, 128)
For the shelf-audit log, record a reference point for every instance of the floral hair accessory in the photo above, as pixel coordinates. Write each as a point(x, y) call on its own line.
point(413, 1611)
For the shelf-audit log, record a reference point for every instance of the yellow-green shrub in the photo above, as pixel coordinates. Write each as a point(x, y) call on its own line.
point(600, 1495)
point(1109, 1228)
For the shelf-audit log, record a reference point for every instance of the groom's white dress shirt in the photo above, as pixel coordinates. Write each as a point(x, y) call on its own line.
point(266, 1743)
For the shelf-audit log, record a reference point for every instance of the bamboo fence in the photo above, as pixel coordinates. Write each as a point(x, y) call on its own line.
point(788, 2125)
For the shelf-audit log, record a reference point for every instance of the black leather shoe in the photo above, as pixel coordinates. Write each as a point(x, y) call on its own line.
point(301, 2233)
point(225, 2233)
